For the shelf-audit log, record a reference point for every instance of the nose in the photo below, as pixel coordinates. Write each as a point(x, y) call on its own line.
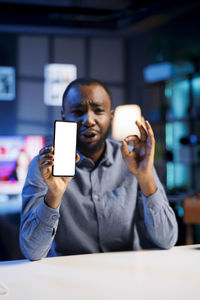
point(88, 119)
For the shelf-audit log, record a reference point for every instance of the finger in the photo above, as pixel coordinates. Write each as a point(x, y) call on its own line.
point(45, 157)
point(150, 135)
point(67, 179)
point(46, 168)
point(149, 129)
point(77, 157)
point(132, 138)
point(46, 150)
point(46, 164)
point(150, 143)
point(124, 149)
point(142, 131)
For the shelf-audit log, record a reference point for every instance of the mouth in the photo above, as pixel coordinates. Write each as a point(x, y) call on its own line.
point(89, 136)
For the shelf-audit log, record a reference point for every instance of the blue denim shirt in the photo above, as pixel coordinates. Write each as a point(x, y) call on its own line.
point(101, 210)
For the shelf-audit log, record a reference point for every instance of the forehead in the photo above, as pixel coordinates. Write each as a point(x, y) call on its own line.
point(87, 94)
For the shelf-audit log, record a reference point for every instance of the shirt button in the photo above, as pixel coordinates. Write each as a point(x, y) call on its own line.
point(95, 197)
point(54, 218)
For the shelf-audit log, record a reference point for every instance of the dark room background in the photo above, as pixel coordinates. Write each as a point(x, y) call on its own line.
point(115, 52)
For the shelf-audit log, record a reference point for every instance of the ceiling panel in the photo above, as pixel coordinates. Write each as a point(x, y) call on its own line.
point(115, 15)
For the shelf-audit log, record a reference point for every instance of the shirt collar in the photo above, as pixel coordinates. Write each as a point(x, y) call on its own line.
point(106, 160)
point(108, 155)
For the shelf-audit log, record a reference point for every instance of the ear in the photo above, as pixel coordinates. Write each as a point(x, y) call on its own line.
point(112, 114)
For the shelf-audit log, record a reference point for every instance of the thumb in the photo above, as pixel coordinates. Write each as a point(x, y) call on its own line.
point(124, 149)
point(77, 157)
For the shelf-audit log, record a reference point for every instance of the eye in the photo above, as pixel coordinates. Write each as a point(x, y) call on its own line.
point(77, 112)
point(99, 110)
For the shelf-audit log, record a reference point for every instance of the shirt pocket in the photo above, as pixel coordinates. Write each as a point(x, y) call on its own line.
point(118, 206)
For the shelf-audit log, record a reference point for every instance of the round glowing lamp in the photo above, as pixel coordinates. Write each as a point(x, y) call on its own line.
point(124, 121)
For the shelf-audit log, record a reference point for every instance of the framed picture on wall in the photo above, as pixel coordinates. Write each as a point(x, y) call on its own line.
point(56, 79)
point(7, 83)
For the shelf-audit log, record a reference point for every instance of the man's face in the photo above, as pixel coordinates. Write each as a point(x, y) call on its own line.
point(90, 107)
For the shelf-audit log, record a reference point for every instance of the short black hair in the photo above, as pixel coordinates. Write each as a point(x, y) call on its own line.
point(82, 82)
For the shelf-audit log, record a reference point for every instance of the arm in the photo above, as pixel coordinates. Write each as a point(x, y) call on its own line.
point(42, 194)
point(38, 221)
point(158, 217)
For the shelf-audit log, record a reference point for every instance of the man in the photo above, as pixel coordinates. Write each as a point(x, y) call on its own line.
point(100, 209)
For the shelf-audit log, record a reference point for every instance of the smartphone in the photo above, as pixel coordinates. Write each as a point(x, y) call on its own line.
point(65, 134)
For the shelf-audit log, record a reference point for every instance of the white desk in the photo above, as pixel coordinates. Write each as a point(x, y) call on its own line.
point(168, 274)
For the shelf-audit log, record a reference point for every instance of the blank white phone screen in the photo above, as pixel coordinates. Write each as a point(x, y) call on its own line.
point(64, 148)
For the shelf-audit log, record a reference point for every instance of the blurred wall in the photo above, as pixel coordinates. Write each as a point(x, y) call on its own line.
point(101, 58)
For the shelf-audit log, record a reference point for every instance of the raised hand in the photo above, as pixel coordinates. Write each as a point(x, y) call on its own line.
point(140, 160)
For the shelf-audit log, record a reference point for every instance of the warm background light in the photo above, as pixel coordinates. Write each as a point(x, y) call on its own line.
point(124, 121)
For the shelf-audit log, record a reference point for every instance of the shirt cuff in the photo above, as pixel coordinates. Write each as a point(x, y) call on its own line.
point(48, 215)
point(155, 201)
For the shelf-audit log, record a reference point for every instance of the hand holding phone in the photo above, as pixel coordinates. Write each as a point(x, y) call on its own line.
point(56, 184)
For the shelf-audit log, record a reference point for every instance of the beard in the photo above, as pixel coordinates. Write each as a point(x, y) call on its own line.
point(88, 149)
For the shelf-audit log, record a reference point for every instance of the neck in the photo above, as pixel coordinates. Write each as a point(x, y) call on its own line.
point(95, 157)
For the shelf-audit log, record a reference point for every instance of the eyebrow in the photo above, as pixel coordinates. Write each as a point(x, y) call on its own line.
point(83, 104)
point(97, 104)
